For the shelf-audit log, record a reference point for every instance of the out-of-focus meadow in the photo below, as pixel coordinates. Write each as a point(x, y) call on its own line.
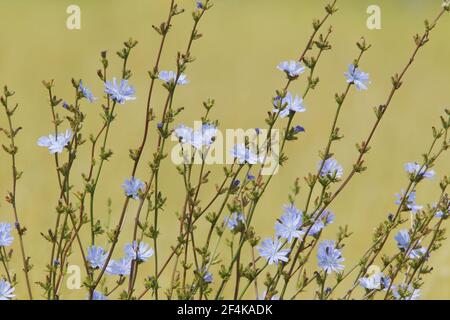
point(235, 63)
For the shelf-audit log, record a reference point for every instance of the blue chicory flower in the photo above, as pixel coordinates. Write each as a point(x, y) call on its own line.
point(120, 92)
point(271, 250)
point(329, 258)
point(132, 187)
point(6, 239)
point(357, 77)
point(55, 144)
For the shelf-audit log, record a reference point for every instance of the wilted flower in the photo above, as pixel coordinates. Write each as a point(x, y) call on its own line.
point(55, 144)
point(271, 250)
point(358, 78)
point(120, 93)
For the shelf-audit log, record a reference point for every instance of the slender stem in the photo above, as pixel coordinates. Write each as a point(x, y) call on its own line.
point(13, 194)
point(3, 257)
point(366, 144)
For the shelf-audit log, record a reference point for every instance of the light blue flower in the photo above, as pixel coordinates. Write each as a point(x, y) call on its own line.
point(120, 267)
point(440, 214)
point(288, 104)
point(325, 219)
point(376, 281)
point(86, 93)
point(200, 138)
point(331, 168)
point(410, 201)
point(242, 154)
point(204, 136)
point(289, 225)
point(233, 220)
point(316, 228)
point(402, 238)
point(208, 277)
point(385, 282)
point(169, 77)
point(329, 258)
point(328, 216)
point(358, 78)
point(96, 256)
point(120, 93)
point(6, 239)
point(403, 242)
point(6, 290)
point(98, 296)
point(132, 187)
point(443, 212)
point(417, 253)
point(403, 292)
point(184, 134)
point(292, 68)
point(140, 252)
point(55, 144)
point(416, 169)
point(372, 282)
point(270, 249)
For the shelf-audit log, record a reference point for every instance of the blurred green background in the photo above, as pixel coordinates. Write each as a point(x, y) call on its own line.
point(243, 42)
